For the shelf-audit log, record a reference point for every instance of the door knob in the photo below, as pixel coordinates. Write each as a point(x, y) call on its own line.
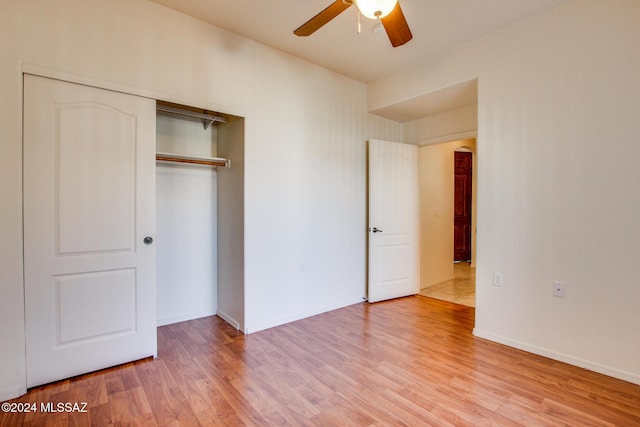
point(148, 240)
point(375, 230)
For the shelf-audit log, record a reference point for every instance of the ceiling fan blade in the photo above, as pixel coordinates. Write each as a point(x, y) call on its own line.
point(313, 24)
point(396, 27)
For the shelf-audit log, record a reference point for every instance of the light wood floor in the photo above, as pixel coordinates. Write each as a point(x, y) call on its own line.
point(461, 290)
point(411, 361)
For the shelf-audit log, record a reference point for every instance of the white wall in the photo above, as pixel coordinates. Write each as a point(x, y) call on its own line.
point(305, 134)
point(461, 123)
point(436, 186)
point(558, 199)
point(231, 217)
point(186, 223)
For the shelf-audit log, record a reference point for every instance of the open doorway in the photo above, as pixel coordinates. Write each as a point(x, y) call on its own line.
point(447, 237)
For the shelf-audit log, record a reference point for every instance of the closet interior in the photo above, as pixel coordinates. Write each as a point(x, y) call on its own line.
point(199, 214)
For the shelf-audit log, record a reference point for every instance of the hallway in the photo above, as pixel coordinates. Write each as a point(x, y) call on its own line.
point(460, 290)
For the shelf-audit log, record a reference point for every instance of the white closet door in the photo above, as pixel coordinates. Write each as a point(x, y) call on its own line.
point(89, 204)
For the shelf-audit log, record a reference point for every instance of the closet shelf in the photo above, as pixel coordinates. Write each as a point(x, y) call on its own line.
point(183, 113)
point(207, 161)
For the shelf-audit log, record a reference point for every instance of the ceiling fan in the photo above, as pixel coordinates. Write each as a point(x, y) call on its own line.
point(387, 11)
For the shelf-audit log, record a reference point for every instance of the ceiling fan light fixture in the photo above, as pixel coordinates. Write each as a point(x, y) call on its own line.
point(375, 9)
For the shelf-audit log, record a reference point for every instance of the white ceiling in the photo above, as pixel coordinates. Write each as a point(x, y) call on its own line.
point(437, 25)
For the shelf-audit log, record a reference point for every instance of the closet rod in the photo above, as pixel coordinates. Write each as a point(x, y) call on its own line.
point(207, 119)
point(208, 161)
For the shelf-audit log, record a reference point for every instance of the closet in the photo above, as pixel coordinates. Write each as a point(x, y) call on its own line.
point(132, 219)
point(199, 214)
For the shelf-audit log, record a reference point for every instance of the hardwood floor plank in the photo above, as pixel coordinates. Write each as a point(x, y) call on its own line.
point(411, 361)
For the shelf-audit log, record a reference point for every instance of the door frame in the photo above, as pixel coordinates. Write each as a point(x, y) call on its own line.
point(464, 144)
point(71, 77)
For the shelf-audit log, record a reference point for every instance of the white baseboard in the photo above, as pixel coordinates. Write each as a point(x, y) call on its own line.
point(185, 317)
point(561, 357)
point(229, 319)
point(301, 315)
point(12, 393)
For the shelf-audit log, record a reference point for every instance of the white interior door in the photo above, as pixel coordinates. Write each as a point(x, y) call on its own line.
point(89, 203)
point(393, 220)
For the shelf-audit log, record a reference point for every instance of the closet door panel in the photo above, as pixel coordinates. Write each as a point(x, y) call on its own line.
point(89, 203)
point(96, 156)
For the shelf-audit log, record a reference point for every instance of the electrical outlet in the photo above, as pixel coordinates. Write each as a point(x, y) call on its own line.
point(497, 278)
point(559, 289)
